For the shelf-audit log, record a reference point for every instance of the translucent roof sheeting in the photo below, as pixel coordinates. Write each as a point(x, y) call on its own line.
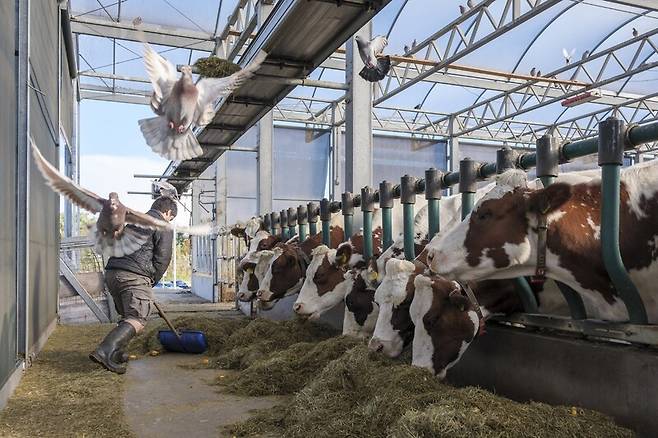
point(481, 69)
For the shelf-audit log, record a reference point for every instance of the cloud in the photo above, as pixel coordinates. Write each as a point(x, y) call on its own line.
point(103, 174)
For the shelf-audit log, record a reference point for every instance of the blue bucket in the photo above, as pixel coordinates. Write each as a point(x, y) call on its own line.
point(193, 341)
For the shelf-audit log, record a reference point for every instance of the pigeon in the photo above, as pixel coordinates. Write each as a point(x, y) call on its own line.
point(462, 9)
point(538, 73)
point(113, 238)
point(533, 71)
point(418, 106)
point(568, 55)
point(163, 188)
point(414, 44)
point(180, 103)
point(635, 32)
point(406, 49)
point(469, 3)
point(585, 54)
point(375, 68)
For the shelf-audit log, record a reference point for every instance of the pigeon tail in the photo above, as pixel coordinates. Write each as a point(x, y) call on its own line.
point(379, 72)
point(167, 144)
point(131, 239)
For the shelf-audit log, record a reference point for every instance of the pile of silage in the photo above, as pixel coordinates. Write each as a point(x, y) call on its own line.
point(261, 338)
point(287, 371)
point(365, 395)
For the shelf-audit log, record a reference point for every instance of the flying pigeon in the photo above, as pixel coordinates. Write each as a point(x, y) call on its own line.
point(180, 103)
point(112, 237)
point(568, 55)
point(375, 68)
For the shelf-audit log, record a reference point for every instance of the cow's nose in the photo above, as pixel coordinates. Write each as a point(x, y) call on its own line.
point(375, 345)
point(297, 307)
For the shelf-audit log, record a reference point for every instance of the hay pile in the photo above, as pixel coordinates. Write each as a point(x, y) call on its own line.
point(262, 337)
point(365, 395)
point(215, 67)
point(287, 371)
point(64, 394)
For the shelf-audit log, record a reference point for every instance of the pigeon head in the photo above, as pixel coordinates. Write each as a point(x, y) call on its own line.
point(360, 41)
point(114, 200)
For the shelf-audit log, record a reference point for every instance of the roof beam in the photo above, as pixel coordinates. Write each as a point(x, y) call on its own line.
point(603, 68)
point(459, 38)
point(154, 34)
point(642, 4)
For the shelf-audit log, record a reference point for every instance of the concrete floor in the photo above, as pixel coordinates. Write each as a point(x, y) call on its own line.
point(163, 399)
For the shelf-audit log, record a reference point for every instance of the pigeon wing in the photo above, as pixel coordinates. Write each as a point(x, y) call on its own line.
point(378, 44)
point(64, 186)
point(161, 72)
point(145, 221)
point(210, 89)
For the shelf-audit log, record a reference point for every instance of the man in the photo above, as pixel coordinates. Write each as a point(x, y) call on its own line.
point(130, 280)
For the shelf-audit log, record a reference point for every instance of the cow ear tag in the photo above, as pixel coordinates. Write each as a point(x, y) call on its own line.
point(250, 271)
point(373, 276)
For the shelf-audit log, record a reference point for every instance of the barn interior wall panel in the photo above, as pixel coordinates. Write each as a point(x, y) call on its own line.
point(66, 95)
point(8, 304)
point(44, 203)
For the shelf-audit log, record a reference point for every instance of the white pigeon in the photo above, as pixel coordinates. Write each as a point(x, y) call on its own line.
point(568, 56)
point(376, 67)
point(180, 103)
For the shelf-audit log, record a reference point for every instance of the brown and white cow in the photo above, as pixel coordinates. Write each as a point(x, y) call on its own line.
point(499, 238)
point(336, 275)
point(286, 269)
point(254, 264)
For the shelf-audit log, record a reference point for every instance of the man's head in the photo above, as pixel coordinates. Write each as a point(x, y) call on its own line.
point(167, 206)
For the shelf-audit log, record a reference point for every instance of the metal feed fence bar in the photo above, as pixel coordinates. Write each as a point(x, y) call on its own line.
point(614, 138)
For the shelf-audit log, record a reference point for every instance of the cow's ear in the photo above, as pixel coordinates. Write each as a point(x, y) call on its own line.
point(545, 201)
point(458, 300)
point(343, 255)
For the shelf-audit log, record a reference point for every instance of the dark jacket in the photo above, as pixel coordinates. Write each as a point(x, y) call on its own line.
point(152, 259)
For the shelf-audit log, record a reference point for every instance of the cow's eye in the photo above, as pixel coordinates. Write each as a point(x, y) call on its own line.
point(484, 215)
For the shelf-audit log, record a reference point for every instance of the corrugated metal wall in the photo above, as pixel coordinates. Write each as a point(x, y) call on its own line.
point(44, 203)
point(8, 191)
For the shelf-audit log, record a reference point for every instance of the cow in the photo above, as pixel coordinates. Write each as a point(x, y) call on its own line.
point(253, 273)
point(499, 238)
point(286, 269)
point(336, 275)
point(395, 327)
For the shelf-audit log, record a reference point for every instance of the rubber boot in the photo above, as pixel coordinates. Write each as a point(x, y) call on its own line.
point(115, 341)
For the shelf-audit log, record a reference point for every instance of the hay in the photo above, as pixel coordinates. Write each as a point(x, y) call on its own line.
point(217, 333)
point(66, 394)
point(215, 67)
point(363, 395)
point(288, 371)
point(262, 337)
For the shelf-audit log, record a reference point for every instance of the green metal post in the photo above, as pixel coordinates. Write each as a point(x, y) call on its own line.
point(312, 212)
point(386, 204)
point(433, 179)
point(611, 154)
point(467, 203)
point(367, 208)
point(505, 159)
point(548, 161)
point(408, 199)
point(347, 206)
point(302, 219)
point(325, 218)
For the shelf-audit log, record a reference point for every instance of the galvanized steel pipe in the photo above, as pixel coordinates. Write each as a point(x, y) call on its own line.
point(325, 217)
point(367, 208)
point(385, 196)
point(408, 199)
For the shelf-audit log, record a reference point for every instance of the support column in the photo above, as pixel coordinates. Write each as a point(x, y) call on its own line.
point(219, 216)
point(452, 149)
point(358, 119)
point(264, 175)
point(264, 180)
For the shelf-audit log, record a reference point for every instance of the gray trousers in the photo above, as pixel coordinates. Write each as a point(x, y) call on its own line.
point(132, 294)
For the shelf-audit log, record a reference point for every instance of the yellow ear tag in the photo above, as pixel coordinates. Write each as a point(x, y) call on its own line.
point(250, 271)
point(374, 275)
point(343, 259)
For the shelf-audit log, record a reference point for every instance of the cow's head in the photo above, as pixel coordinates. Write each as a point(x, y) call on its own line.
point(253, 274)
point(285, 273)
point(496, 236)
point(394, 328)
point(360, 308)
point(262, 240)
point(326, 282)
point(445, 320)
